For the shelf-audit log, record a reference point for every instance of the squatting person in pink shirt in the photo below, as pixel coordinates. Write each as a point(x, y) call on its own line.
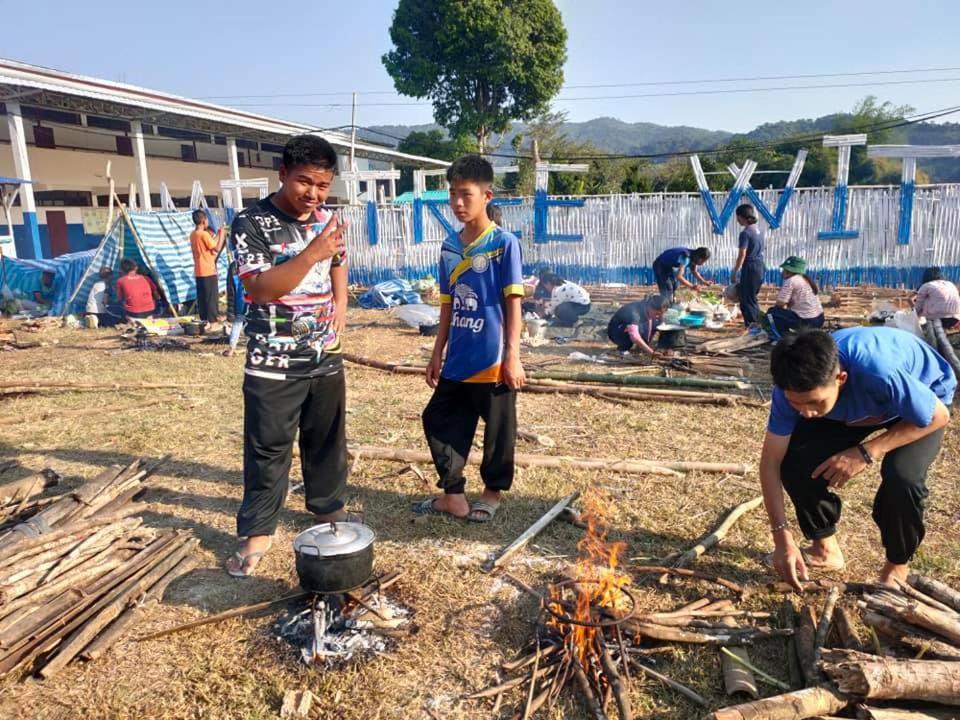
point(798, 304)
point(938, 299)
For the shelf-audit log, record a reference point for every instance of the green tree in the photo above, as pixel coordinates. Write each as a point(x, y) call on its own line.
point(482, 63)
point(434, 144)
point(874, 118)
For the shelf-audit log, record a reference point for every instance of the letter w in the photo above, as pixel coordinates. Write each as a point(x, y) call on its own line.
point(720, 220)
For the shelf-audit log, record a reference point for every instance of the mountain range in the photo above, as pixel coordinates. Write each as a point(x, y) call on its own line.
point(641, 138)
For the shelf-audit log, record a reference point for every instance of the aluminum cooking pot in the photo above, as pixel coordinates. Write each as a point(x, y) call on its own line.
point(334, 557)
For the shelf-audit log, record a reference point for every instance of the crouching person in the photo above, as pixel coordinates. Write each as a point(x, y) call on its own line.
point(842, 402)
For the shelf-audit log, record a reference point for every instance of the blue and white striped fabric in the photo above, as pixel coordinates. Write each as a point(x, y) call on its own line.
point(22, 276)
point(166, 241)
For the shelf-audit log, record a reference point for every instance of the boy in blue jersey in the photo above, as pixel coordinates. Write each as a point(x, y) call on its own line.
point(481, 290)
point(832, 393)
point(670, 266)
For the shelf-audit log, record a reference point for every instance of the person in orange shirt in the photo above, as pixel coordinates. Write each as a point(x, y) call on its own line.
point(206, 248)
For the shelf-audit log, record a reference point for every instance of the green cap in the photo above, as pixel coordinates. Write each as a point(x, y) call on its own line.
point(794, 264)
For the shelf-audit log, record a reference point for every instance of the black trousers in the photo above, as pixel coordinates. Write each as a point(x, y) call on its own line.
point(450, 422)
point(751, 278)
point(208, 294)
point(784, 320)
point(666, 282)
point(566, 314)
point(899, 502)
point(272, 412)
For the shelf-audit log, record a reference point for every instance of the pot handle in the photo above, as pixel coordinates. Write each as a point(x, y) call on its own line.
point(333, 528)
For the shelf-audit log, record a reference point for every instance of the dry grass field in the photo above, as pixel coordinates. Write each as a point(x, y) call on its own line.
point(466, 621)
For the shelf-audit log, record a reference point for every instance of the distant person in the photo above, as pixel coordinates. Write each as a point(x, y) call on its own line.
point(540, 293)
point(136, 293)
point(99, 310)
point(937, 299)
point(206, 248)
point(633, 326)
point(798, 302)
point(749, 265)
point(670, 266)
point(567, 302)
point(495, 214)
point(46, 293)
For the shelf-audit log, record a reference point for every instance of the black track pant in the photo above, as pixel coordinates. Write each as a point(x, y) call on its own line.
point(751, 278)
point(450, 422)
point(566, 314)
point(899, 502)
point(272, 412)
point(208, 294)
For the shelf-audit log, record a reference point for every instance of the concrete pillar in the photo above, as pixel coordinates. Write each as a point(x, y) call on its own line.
point(140, 156)
point(21, 165)
point(234, 162)
point(393, 186)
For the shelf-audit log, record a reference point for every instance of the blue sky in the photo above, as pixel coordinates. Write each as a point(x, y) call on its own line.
point(247, 47)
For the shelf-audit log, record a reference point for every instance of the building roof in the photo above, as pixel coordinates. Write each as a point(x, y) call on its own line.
point(36, 85)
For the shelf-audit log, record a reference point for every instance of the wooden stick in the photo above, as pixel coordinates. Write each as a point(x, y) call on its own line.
point(683, 572)
point(652, 467)
point(719, 533)
point(846, 629)
point(823, 627)
point(533, 682)
point(226, 615)
point(72, 385)
point(937, 590)
point(503, 557)
point(919, 596)
point(788, 619)
point(796, 705)
point(927, 713)
point(620, 693)
point(25, 488)
point(593, 703)
point(915, 638)
point(805, 639)
point(891, 679)
point(673, 684)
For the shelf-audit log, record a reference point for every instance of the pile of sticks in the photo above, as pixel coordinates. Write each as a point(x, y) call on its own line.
point(888, 654)
point(76, 569)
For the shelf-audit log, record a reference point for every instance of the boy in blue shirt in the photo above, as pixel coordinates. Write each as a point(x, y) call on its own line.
point(832, 393)
point(481, 290)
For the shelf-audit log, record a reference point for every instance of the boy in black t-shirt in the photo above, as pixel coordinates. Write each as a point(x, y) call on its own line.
point(292, 262)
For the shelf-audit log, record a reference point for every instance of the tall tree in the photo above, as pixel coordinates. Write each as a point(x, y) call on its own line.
point(482, 63)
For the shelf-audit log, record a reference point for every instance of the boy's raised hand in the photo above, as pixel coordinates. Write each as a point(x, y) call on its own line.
point(328, 241)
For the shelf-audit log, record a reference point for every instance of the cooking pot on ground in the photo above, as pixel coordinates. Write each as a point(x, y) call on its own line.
point(334, 557)
point(671, 337)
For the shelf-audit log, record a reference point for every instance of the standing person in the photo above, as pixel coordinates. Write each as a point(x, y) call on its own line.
point(206, 248)
point(937, 299)
point(670, 266)
point(98, 301)
point(567, 302)
point(481, 286)
point(292, 262)
point(749, 265)
point(633, 325)
point(135, 292)
point(798, 303)
point(832, 393)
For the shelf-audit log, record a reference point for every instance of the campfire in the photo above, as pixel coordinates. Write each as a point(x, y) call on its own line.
point(332, 629)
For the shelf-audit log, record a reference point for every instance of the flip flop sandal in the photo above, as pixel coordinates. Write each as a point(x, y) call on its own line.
point(484, 511)
point(246, 564)
point(426, 507)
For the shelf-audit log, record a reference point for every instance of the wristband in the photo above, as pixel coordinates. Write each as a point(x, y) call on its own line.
point(782, 526)
point(867, 457)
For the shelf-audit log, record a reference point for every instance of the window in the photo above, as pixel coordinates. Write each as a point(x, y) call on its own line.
point(124, 145)
point(182, 134)
point(43, 137)
point(246, 144)
point(270, 147)
point(95, 121)
point(188, 153)
point(63, 198)
point(56, 116)
point(219, 140)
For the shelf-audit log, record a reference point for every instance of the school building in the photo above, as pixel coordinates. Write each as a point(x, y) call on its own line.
point(60, 131)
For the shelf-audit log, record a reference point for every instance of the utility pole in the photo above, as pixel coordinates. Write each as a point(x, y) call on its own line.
point(353, 134)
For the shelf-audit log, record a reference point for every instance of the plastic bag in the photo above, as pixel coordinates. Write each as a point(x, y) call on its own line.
point(417, 315)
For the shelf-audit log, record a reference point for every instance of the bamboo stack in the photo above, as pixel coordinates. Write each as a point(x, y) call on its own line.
point(77, 568)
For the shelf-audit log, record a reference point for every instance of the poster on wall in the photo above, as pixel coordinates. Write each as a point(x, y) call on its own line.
point(94, 220)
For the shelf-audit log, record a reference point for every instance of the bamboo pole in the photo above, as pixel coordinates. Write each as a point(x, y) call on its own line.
point(652, 467)
point(503, 557)
point(639, 380)
point(720, 532)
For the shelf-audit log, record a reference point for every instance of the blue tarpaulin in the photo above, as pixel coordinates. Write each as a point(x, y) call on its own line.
point(23, 276)
point(388, 294)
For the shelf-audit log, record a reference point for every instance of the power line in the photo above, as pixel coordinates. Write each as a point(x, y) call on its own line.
point(647, 83)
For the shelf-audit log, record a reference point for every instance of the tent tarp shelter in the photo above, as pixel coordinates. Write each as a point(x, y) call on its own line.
point(22, 277)
point(160, 243)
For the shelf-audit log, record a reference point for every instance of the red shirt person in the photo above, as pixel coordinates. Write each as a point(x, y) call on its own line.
point(136, 293)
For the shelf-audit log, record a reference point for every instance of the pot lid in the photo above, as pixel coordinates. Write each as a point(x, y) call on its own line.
point(330, 539)
point(666, 327)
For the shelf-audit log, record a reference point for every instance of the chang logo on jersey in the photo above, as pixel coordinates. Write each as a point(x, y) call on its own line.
point(464, 298)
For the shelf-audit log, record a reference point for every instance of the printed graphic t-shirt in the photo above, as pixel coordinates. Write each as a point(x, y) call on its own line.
point(475, 280)
point(891, 374)
point(263, 237)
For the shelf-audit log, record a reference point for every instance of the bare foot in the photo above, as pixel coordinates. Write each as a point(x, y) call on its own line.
point(243, 562)
point(891, 575)
point(455, 505)
point(824, 554)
